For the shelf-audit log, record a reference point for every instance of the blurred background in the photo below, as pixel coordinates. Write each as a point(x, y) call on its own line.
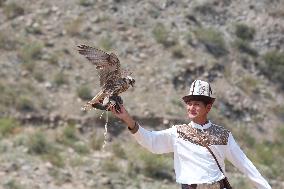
point(47, 142)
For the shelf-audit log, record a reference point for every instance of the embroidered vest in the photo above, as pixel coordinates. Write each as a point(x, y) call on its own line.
point(214, 135)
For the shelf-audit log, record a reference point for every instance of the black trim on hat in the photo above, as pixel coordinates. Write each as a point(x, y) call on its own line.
point(193, 86)
point(206, 99)
point(210, 90)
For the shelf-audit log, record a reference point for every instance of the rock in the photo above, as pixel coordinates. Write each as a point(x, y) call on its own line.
point(11, 167)
point(105, 181)
point(48, 85)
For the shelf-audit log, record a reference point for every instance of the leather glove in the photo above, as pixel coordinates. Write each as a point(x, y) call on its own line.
point(116, 100)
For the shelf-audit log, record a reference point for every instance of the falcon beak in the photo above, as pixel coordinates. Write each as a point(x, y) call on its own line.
point(132, 82)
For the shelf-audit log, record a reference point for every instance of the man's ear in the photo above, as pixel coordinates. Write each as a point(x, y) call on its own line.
point(208, 107)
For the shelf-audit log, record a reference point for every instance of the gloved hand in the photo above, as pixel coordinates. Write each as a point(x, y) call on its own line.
point(113, 100)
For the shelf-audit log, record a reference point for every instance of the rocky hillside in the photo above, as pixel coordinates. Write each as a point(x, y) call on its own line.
point(46, 141)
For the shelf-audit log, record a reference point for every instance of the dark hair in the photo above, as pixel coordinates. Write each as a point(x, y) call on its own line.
point(205, 99)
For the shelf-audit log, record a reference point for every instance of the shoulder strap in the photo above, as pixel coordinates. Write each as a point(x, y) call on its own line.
point(214, 158)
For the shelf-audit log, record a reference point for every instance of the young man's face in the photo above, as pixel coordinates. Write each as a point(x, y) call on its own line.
point(197, 110)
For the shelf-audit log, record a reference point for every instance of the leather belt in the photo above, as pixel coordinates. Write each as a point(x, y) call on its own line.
point(219, 184)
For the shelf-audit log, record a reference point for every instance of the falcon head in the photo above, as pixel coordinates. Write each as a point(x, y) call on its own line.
point(130, 80)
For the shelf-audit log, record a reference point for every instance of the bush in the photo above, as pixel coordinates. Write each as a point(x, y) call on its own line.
point(29, 53)
point(39, 145)
point(156, 166)
point(249, 84)
point(110, 165)
point(39, 75)
point(96, 141)
point(81, 148)
point(106, 43)
point(279, 110)
point(177, 52)
point(60, 79)
point(206, 9)
point(8, 95)
point(86, 3)
point(7, 42)
point(118, 151)
point(68, 136)
point(25, 104)
point(244, 46)
point(12, 10)
point(161, 35)
point(13, 184)
point(213, 41)
point(84, 92)
point(244, 32)
point(273, 67)
point(7, 126)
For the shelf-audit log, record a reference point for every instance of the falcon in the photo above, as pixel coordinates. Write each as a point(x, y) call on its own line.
point(112, 81)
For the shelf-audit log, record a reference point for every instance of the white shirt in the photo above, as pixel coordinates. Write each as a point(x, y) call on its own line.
point(193, 163)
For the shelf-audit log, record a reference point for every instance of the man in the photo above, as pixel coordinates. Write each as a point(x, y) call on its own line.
point(195, 166)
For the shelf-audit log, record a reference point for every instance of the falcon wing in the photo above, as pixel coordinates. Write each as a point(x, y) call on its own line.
point(108, 65)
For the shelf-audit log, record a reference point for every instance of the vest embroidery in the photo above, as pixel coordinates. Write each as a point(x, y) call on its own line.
point(214, 135)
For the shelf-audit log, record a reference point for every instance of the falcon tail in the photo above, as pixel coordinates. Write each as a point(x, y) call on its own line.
point(100, 96)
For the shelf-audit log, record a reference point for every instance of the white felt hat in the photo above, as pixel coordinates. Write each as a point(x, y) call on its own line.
point(199, 88)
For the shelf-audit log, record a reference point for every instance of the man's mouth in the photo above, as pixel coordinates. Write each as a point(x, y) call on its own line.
point(192, 113)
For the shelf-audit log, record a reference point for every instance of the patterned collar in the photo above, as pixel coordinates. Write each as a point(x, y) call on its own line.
point(197, 126)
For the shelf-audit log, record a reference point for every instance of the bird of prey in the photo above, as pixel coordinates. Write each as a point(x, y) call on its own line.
point(111, 76)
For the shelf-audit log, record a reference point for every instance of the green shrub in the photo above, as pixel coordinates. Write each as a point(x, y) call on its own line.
point(7, 42)
point(29, 53)
point(70, 133)
point(248, 84)
point(39, 75)
point(156, 166)
point(213, 41)
point(38, 144)
point(81, 148)
point(189, 38)
point(25, 103)
point(60, 79)
point(53, 59)
point(7, 126)
point(86, 3)
point(106, 43)
point(54, 158)
point(205, 9)
point(68, 136)
point(7, 95)
point(177, 52)
point(244, 46)
point(84, 92)
point(96, 141)
point(110, 165)
point(279, 110)
point(12, 10)
point(118, 151)
point(273, 67)
point(162, 36)
point(13, 184)
point(244, 32)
